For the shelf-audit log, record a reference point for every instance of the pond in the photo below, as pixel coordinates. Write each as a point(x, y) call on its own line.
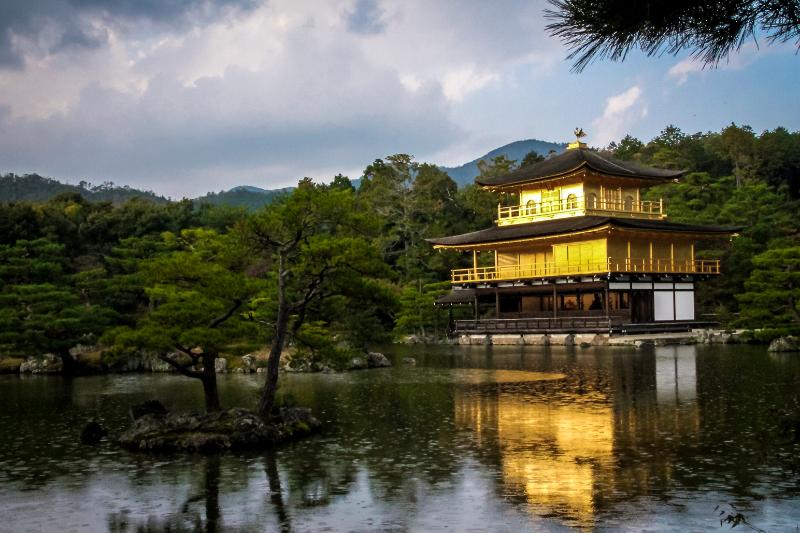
point(469, 439)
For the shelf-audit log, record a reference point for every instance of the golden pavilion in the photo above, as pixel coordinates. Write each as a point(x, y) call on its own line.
point(581, 251)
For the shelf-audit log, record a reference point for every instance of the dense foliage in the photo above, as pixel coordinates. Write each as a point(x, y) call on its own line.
point(331, 268)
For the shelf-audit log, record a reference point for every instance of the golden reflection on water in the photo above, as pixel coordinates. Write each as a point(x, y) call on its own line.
point(550, 454)
point(479, 375)
point(557, 444)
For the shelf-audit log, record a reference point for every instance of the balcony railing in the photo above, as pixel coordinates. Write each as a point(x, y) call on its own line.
point(573, 205)
point(543, 270)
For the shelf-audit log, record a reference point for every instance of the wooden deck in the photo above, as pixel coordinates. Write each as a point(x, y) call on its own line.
point(573, 325)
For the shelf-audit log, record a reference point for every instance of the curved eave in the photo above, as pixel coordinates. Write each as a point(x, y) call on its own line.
point(650, 180)
point(526, 233)
point(573, 161)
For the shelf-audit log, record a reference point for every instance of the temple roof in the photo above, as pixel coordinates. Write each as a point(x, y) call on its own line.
point(456, 296)
point(568, 225)
point(574, 159)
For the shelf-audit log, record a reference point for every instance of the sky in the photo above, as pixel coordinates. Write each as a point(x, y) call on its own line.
point(187, 96)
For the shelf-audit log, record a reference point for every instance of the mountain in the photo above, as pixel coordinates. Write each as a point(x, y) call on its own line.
point(36, 188)
point(246, 196)
point(466, 173)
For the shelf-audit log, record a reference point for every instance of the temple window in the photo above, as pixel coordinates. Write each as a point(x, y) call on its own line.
point(530, 208)
point(628, 203)
point(591, 201)
point(572, 201)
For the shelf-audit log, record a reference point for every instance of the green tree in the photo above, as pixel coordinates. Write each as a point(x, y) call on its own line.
point(418, 315)
point(385, 193)
point(317, 249)
point(41, 311)
point(195, 293)
point(531, 158)
point(772, 292)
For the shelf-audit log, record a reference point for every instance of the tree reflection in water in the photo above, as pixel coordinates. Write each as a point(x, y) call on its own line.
point(190, 517)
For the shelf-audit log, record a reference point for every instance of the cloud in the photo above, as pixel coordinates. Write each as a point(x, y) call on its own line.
point(746, 55)
point(460, 82)
point(366, 18)
point(620, 111)
point(187, 96)
point(45, 27)
point(308, 105)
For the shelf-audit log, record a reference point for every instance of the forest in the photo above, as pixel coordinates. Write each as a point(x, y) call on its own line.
point(331, 269)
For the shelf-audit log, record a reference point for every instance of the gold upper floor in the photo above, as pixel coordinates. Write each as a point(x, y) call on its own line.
point(581, 194)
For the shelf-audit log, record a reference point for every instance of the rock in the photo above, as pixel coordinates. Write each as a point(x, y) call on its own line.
point(600, 339)
point(47, 364)
point(410, 361)
point(249, 363)
point(377, 360)
point(318, 366)
point(357, 363)
point(299, 417)
point(562, 339)
point(233, 429)
point(261, 370)
point(92, 433)
point(781, 344)
point(220, 365)
point(642, 343)
point(149, 407)
point(146, 361)
point(239, 370)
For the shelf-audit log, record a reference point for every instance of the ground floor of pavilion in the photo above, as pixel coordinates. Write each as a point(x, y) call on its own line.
point(607, 303)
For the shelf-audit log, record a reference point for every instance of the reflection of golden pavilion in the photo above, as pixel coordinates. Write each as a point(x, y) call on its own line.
point(551, 454)
point(571, 455)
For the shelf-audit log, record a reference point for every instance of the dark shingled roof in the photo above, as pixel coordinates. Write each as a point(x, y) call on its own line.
point(572, 160)
point(568, 225)
point(456, 296)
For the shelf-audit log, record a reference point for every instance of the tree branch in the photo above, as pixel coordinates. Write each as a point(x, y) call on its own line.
point(222, 318)
point(183, 369)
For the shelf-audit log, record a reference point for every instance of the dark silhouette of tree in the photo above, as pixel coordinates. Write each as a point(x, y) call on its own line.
point(711, 30)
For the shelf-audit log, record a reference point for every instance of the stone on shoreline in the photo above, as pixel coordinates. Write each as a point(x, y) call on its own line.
point(149, 407)
point(377, 360)
point(232, 429)
point(785, 344)
point(47, 364)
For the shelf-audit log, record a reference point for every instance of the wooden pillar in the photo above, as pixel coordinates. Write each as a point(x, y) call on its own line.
point(672, 256)
point(475, 307)
point(555, 301)
point(605, 301)
point(628, 258)
point(496, 303)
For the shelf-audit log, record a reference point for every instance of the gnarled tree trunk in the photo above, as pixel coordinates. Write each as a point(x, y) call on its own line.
point(209, 380)
point(273, 363)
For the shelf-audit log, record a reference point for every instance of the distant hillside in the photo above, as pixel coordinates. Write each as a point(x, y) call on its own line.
point(36, 188)
point(245, 196)
point(466, 173)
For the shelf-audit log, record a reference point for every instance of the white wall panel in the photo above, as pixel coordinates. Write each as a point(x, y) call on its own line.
point(684, 305)
point(664, 305)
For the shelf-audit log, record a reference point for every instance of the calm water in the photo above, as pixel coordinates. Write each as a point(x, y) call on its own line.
point(472, 439)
